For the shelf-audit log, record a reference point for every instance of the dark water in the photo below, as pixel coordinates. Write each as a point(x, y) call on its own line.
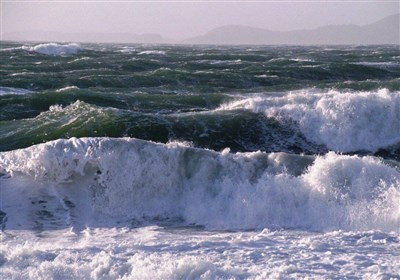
point(185, 93)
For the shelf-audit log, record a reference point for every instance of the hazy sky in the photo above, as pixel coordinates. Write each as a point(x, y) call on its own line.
point(183, 19)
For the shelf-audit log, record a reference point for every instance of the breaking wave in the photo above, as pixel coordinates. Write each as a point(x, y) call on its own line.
point(109, 182)
point(342, 121)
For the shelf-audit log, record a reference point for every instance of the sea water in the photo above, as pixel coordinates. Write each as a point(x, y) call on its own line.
point(206, 162)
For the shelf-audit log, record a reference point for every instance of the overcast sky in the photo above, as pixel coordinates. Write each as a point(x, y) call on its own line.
point(179, 20)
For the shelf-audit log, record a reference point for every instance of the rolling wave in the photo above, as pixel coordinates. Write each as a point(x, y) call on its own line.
point(239, 131)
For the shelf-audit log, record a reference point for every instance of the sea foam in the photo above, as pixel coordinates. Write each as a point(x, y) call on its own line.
point(342, 121)
point(101, 181)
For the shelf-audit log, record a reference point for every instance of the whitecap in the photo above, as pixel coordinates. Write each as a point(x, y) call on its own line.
point(67, 88)
point(79, 59)
point(380, 65)
point(10, 49)
point(148, 52)
point(302, 60)
point(14, 91)
point(54, 48)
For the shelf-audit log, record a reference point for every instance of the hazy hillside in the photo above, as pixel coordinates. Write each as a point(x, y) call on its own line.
point(385, 31)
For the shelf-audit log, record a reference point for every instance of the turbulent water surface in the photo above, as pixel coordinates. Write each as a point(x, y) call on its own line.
point(181, 162)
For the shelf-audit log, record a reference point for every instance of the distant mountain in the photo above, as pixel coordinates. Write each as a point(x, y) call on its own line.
point(43, 36)
point(385, 31)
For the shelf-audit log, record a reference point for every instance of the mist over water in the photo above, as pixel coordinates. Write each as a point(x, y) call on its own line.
point(171, 162)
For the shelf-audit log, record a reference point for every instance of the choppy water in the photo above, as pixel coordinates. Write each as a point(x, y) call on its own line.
point(180, 162)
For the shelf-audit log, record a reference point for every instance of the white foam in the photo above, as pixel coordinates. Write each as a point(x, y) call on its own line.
point(79, 59)
point(342, 121)
point(302, 60)
point(150, 52)
point(14, 91)
point(115, 180)
point(381, 65)
point(67, 88)
point(127, 49)
point(21, 74)
point(55, 108)
point(54, 48)
point(10, 49)
point(156, 253)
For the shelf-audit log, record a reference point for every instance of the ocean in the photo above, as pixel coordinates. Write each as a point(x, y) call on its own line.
point(199, 162)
